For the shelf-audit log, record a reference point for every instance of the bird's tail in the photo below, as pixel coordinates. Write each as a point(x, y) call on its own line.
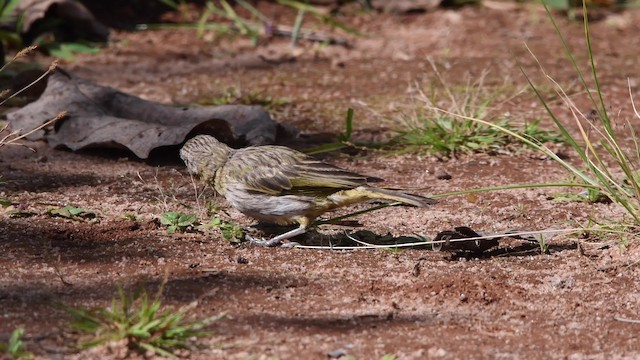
point(363, 193)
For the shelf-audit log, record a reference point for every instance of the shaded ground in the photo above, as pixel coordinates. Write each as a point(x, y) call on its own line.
point(301, 303)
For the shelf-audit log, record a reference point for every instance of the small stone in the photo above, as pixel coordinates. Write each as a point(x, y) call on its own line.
point(443, 175)
point(335, 354)
point(435, 352)
point(562, 283)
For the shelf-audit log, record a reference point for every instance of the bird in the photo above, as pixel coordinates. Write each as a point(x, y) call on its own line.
point(279, 185)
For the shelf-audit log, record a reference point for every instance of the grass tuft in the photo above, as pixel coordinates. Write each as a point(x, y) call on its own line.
point(455, 131)
point(608, 169)
point(143, 323)
point(222, 18)
point(235, 95)
point(608, 166)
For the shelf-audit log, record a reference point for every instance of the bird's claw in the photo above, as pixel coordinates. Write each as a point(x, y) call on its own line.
point(289, 245)
point(269, 243)
point(254, 241)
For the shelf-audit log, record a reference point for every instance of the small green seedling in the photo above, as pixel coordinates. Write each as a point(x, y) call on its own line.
point(132, 216)
point(68, 51)
point(542, 241)
point(231, 231)
point(589, 195)
point(19, 213)
point(178, 221)
point(14, 349)
point(14, 210)
point(72, 212)
point(141, 322)
point(5, 202)
point(393, 250)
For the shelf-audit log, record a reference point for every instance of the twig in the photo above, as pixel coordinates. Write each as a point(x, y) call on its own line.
point(58, 272)
point(51, 68)
point(197, 194)
point(20, 54)
point(288, 31)
point(6, 141)
point(164, 197)
point(631, 321)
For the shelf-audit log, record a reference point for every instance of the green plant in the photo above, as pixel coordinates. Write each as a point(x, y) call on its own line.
point(6, 8)
point(395, 251)
point(235, 95)
point(588, 195)
point(14, 349)
point(145, 324)
point(71, 212)
point(448, 135)
point(609, 168)
point(456, 131)
point(68, 51)
point(132, 216)
point(244, 19)
point(304, 7)
point(5, 201)
point(178, 221)
point(230, 231)
point(344, 138)
point(532, 130)
point(8, 36)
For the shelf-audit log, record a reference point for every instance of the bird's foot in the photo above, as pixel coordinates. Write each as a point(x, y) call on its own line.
point(269, 243)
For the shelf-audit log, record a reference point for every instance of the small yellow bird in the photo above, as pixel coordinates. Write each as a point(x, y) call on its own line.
point(277, 184)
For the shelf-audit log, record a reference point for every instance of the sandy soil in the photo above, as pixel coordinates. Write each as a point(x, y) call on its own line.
point(509, 303)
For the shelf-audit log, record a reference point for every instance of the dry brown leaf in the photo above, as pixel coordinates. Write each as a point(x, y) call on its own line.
point(100, 116)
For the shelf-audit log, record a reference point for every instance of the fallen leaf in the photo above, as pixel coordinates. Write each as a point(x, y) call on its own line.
point(102, 117)
point(79, 22)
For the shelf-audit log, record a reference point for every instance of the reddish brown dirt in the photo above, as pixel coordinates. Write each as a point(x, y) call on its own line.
point(511, 303)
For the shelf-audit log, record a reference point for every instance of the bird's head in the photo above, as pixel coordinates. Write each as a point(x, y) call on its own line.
point(204, 154)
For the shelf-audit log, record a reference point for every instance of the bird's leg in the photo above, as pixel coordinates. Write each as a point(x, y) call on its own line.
point(304, 224)
point(278, 239)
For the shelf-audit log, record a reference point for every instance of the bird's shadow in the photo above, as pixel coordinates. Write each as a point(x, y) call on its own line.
point(344, 238)
point(452, 241)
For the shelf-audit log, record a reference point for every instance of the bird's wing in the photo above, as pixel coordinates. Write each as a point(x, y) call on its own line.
point(315, 173)
point(279, 170)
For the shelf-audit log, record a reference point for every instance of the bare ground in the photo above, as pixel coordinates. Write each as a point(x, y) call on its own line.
point(510, 303)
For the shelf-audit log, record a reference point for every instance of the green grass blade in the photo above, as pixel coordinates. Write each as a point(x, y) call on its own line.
point(569, 53)
point(255, 12)
point(297, 25)
point(602, 109)
point(319, 14)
